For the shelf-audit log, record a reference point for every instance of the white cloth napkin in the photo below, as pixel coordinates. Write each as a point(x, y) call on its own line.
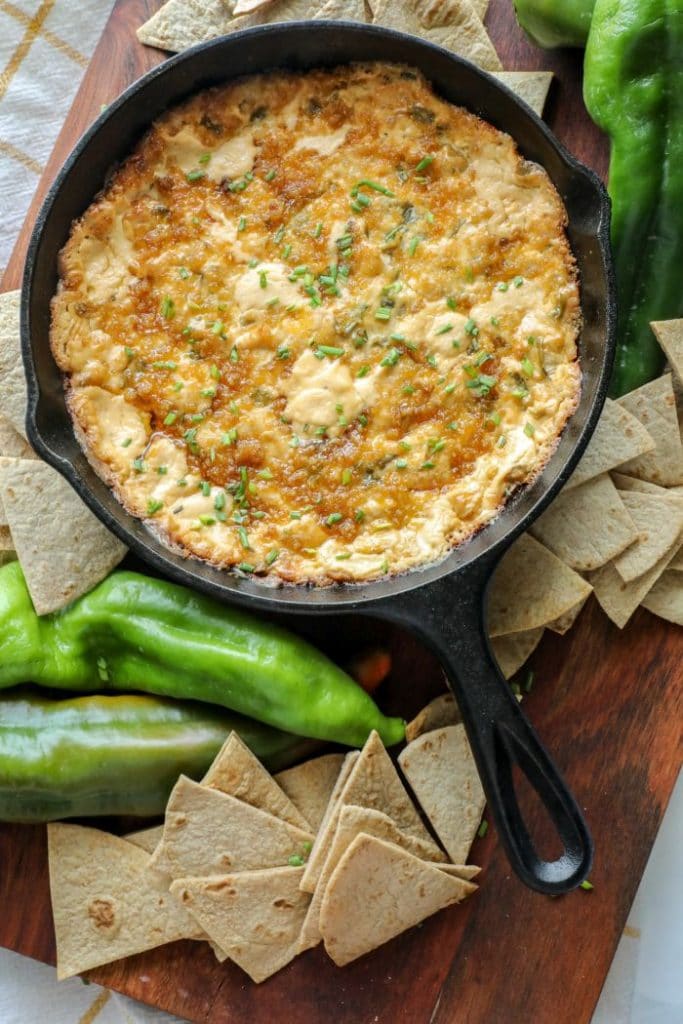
point(44, 50)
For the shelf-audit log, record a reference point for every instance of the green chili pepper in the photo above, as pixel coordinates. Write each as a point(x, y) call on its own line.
point(136, 633)
point(633, 88)
point(550, 23)
point(91, 756)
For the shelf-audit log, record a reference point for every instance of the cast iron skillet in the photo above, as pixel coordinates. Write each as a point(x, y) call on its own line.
point(444, 603)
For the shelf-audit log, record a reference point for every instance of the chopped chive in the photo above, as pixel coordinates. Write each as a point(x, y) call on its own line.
point(295, 861)
point(391, 358)
point(444, 329)
point(318, 229)
point(364, 371)
point(494, 418)
point(229, 437)
point(344, 243)
point(586, 885)
point(482, 358)
point(427, 465)
point(286, 251)
point(272, 556)
point(195, 175)
point(527, 367)
point(424, 163)
point(359, 515)
point(234, 355)
point(343, 557)
point(451, 302)
point(502, 286)
point(244, 537)
point(128, 441)
point(414, 242)
point(333, 351)
point(471, 328)
point(241, 224)
point(374, 185)
point(401, 463)
point(153, 505)
point(295, 442)
point(529, 681)
point(205, 488)
point(383, 313)
point(219, 501)
point(271, 174)
point(452, 425)
point(183, 273)
point(204, 158)
point(431, 359)
point(529, 429)
point(139, 465)
point(208, 393)
point(518, 281)
point(263, 279)
point(481, 384)
point(346, 477)
point(333, 518)
point(214, 372)
point(170, 419)
point(436, 444)
point(483, 829)
point(449, 389)
point(408, 389)
point(246, 567)
point(167, 307)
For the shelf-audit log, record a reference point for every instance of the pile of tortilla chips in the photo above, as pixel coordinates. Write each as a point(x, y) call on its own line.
point(264, 868)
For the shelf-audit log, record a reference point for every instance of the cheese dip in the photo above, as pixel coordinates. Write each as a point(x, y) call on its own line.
point(319, 326)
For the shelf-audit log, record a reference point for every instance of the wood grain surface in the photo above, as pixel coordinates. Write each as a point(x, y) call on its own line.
point(606, 702)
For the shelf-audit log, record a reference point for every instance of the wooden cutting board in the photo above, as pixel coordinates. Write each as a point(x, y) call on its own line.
point(603, 700)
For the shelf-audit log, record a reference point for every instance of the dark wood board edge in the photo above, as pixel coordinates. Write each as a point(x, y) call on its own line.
point(511, 955)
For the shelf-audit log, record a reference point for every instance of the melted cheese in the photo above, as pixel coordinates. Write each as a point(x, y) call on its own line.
point(292, 345)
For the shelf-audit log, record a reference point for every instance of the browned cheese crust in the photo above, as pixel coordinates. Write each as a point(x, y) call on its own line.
point(320, 325)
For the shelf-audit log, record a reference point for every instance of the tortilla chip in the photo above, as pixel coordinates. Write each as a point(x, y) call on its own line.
point(669, 334)
point(352, 822)
point(618, 437)
point(480, 8)
point(13, 394)
point(210, 833)
point(666, 597)
point(676, 563)
point(631, 483)
point(63, 548)
point(531, 587)
point(512, 651)
point(254, 916)
point(587, 526)
point(309, 785)
point(530, 86)
point(378, 891)
point(449, 23)
point(104, 903)
point(466, 871)
point(182, 23)
point(443, 776)
point(659, 521)
point(146, 838)
point(238, 772)
point(654, 405)
point(372, 782)
point(247, 6)
point(618, 599)
point(12, 444)
point(443, 710)
point(563, 623)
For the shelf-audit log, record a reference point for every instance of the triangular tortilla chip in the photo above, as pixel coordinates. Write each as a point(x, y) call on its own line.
point(105, 904)
point(12, 444)
point(63, 548)
point(448, 23)
point(512, 651)
point(530, 86)
point(666, 597)
point(563, 623)
point(238, 772)
point(378, 891)
point(619, 436)
point(676, 563)
point(669, 334)
point(659, 521)
point(587, 526)
point(182, 23)
point(13, 394)
point(247, 6)
point(372, 782)
point(352, 822)
point(531, 587)
point(618, 599)
point(443, 776)
point(309, 785)
point(211, 833)
point(631, 483)
point(441, 711)
point(480, 8)
point(654, 405)
point(466, 871)
point(254, 916)
point(146, 838)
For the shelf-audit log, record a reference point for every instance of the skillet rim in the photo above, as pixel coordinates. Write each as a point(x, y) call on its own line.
point(485, 545)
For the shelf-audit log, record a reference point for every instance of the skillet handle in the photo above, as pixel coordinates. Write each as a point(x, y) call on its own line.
point(451, 616)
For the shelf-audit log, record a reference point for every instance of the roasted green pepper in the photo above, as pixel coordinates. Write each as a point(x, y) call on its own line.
point(633, 88)
point(550, 23)
point(90, 756)
point(136, 633)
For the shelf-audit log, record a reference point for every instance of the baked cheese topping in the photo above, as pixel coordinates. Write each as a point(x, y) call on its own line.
point(319, 326)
